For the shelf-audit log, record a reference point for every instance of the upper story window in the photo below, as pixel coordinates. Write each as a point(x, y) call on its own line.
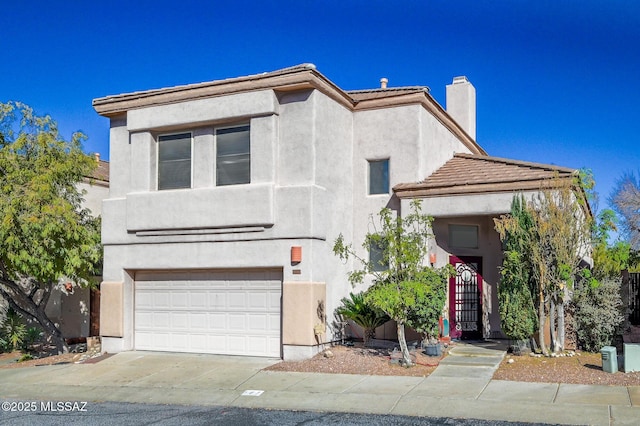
point(174, 161)
point(233, 158)
point(378, 177)
point(376, 256)
point(463, 236)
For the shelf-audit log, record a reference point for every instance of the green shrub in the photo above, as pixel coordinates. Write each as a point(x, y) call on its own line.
point(430, 297)
point(515, 304)
point(13, 331)
point(357, 310)
point(31, 336)
point(598, 313)
point(25, 357)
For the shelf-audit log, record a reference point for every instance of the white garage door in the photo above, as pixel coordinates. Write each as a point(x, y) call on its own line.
point(218, 312)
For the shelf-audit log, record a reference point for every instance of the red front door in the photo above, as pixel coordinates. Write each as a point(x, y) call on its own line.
point(465, 298)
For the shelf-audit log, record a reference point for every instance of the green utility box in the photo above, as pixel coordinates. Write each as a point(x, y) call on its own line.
point(631, 357)
point(609, 359)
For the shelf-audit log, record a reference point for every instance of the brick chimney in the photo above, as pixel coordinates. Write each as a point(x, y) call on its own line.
point(461, 104)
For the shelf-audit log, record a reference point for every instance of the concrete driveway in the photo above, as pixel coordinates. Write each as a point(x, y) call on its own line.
point(461, 388)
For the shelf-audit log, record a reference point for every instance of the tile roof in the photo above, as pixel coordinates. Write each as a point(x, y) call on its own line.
point(100, 174)
point(195, 90)
point(469, 174)
point(299, 77)
point(369, 94)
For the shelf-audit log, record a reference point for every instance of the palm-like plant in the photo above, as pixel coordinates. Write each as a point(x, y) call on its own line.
point(357, 310)
point(14, 330)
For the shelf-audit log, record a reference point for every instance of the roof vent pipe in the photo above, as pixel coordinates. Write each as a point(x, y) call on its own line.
point(383, 82)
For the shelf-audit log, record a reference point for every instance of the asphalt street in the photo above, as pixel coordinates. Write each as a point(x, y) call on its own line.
point(111, 413)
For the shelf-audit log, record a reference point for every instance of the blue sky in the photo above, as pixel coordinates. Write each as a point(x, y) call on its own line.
point(557, 81)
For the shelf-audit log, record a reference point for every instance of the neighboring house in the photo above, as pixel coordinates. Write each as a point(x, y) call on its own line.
point(226, 198)
point(75, 310)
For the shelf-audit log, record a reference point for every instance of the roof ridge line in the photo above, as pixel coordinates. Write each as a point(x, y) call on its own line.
point(390, 89)
point(515, 162)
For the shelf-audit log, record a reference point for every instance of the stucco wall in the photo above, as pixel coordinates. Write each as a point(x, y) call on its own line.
point(70, 311)
point(295, 156)
point(489, 248)
point(93, 196)
point(309, 177)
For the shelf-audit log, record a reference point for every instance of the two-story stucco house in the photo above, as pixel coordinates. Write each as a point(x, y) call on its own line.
point(226, 198)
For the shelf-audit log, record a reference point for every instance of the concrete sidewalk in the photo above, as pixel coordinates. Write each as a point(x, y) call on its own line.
point(461, 387)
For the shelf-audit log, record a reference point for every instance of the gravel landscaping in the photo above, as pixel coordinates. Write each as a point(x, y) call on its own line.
point(582, 368)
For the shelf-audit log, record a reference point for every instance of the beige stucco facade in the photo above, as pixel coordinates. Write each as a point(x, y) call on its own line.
point(310, 148)
point(70, 309)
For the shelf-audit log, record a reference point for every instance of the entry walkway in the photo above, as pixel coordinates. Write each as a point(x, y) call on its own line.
point(461, 387)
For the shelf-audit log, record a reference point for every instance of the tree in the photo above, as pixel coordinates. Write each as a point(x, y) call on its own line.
point(516, 288)
point(401, 280)
point(45, 234)
point(557, 241)
point(609, 259)
point(626, 201)
point(561, 240)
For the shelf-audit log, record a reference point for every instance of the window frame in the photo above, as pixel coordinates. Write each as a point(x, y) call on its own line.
point(215, 153)
point(464, 225)
point(378, 249)
point(388, 177)
point(158, 142)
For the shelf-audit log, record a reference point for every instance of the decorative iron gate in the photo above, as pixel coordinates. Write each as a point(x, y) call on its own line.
point(465, 298)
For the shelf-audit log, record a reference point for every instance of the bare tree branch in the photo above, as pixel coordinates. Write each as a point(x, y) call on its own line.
point(626, 201)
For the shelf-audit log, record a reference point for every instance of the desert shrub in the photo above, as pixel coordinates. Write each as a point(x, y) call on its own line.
point(13, 331)
point(357, 310)
point(30, 337)
point(517, 310)
point(25, 357)
point(598, 313)
point(424, 316)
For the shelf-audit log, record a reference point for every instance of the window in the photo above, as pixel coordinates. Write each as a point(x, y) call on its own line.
point(233, 165)
point(379, 177)
point(376, 256)
point(174, 161)
point(463, 236)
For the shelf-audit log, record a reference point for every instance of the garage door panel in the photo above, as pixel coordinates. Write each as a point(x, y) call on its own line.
point(217, 300)
point(198, 342)
point(237, 344)
point(274, 324)
point(179, 321)
point(228, 312)
point(179, 299)
point(236, 322)
point(198, 299)
point(236, 301)
point(198, 321)
point(218, 321)
point(161, 299)
point(257, 323)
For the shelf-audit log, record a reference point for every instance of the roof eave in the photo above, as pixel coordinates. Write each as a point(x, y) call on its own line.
point(297, 79)
point(410, 191)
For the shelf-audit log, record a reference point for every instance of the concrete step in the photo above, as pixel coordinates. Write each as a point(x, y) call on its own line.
point(478, 361)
